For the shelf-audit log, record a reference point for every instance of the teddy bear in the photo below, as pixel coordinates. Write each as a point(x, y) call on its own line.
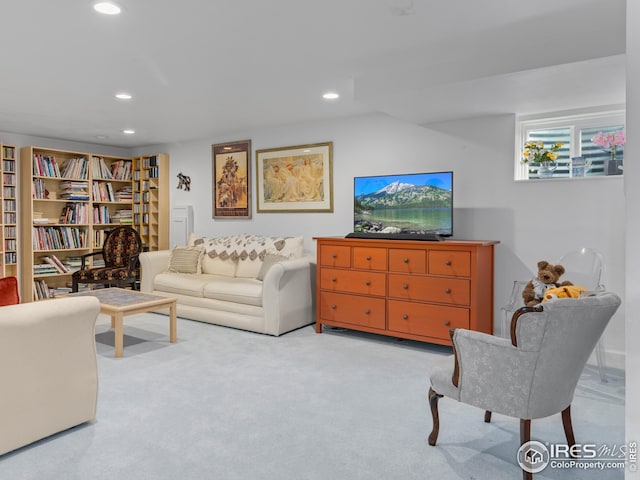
point(568, 291)
point(548, 276)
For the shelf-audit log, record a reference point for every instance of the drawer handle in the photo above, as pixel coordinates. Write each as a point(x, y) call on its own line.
point(334, 279)
point(368, 257)
point(448, 263)
point(367, 283)
point(366, 312)
point(333, 307)
point(405, 286)
point(446, 324)
point(447, 290)
point(334, 256)
point(406, 260)
point(405, 317)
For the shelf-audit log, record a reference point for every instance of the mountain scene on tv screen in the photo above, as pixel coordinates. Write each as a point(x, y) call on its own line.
point(404, 208)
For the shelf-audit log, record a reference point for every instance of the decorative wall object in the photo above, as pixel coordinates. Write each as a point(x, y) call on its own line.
point(184, 182)
point(295, 179)
point(231, 186)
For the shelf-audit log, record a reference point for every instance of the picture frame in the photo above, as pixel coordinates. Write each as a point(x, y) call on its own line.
point(295, 179)
point(231, 192)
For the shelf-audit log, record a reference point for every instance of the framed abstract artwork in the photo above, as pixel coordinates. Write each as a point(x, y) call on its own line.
point(295, 179)
point(231, 185)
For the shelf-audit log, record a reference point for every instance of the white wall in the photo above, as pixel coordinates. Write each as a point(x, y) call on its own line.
point(632, 193)
point(532, 220)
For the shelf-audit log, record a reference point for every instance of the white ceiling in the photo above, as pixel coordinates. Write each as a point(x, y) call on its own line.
point(204, 68)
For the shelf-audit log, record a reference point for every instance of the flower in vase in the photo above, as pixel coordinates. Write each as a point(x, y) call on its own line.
point(610, 140)
point(536, 152)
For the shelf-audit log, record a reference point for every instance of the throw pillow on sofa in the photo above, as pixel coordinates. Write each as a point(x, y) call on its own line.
point(268, 262)
point(186, 260)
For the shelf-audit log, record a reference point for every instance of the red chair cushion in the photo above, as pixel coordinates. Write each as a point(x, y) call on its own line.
point(9, 291)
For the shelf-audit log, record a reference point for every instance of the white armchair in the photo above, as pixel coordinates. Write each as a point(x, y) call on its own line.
point(531, 375)
point(48, 368)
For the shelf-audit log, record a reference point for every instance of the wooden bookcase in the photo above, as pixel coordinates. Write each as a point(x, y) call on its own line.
point(151, 200)
point(9, 212)
point(69, 201)
point(408, 289)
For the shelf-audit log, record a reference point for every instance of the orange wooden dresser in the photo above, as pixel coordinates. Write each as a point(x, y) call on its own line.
point(405, 288)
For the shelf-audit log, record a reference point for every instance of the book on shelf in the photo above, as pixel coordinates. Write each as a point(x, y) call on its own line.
point(57, 264)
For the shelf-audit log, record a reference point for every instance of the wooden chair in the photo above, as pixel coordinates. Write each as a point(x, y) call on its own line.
point(120, 251)
point(531, 375)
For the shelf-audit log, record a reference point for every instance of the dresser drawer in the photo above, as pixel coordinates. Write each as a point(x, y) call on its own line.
point(407, 261)
point(429, 320)
point(335, 256)
point(365, 311)
point(454, 291)
point(370, 258)
point(366, 283)
point(455, 264)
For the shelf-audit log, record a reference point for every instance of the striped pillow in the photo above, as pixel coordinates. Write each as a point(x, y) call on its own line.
point(186, 260)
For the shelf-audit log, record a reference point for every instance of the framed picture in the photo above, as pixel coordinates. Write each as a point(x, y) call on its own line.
point(295, 179)
point(231, 186)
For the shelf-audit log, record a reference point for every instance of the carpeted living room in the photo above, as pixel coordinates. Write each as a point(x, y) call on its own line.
point(295, 240)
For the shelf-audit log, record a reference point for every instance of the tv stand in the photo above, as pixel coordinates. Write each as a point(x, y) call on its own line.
point(427, 237)
point(403, 288)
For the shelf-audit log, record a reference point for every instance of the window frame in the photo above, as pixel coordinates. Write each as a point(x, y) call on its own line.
point(576, 121)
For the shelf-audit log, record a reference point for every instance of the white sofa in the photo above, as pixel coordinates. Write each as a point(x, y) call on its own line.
point(48, 368)
point(249, 282)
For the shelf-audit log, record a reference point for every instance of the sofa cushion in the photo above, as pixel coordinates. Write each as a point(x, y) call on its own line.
point(247, 291)
point(186, 260)
point(217, 266)
point(181, 283)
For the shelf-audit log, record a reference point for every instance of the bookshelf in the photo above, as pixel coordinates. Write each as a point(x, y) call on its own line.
point(9, 212)
point(151, 200)
point(69, 201)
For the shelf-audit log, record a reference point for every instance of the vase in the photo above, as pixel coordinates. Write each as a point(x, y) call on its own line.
point(613, 167)
point(545, 170)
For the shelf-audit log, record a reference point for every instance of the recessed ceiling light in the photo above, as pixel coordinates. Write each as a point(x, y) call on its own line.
point(102, 137)
point(128, 131)
point(330, 96)
point(226, 148)
point(107, 8)
point(123, 96)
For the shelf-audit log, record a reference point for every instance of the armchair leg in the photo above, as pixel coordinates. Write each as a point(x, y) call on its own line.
point(487, 416)
point(433, 403)
point(525, 436)
point(568, 427)
point(74, 285)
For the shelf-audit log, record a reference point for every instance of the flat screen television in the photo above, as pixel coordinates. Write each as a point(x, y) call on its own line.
point(408, 206)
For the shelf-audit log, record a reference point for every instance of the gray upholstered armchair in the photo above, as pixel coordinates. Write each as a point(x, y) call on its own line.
point(533, 374)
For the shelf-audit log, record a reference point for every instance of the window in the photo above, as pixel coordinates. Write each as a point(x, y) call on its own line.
point(578, 153)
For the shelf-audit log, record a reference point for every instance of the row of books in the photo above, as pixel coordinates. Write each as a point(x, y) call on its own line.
point(59, 238)
point(10, 258)
point(9, 231)
point(121, 170)
point(52, 264)
point(118, 170)
point(45, 166)
point(77, 168)
point(10, 244)
point(101, 214)
point(103, 192)
point(9, 165)
point(75, 213)
point(9, 191)
point(9, 178)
